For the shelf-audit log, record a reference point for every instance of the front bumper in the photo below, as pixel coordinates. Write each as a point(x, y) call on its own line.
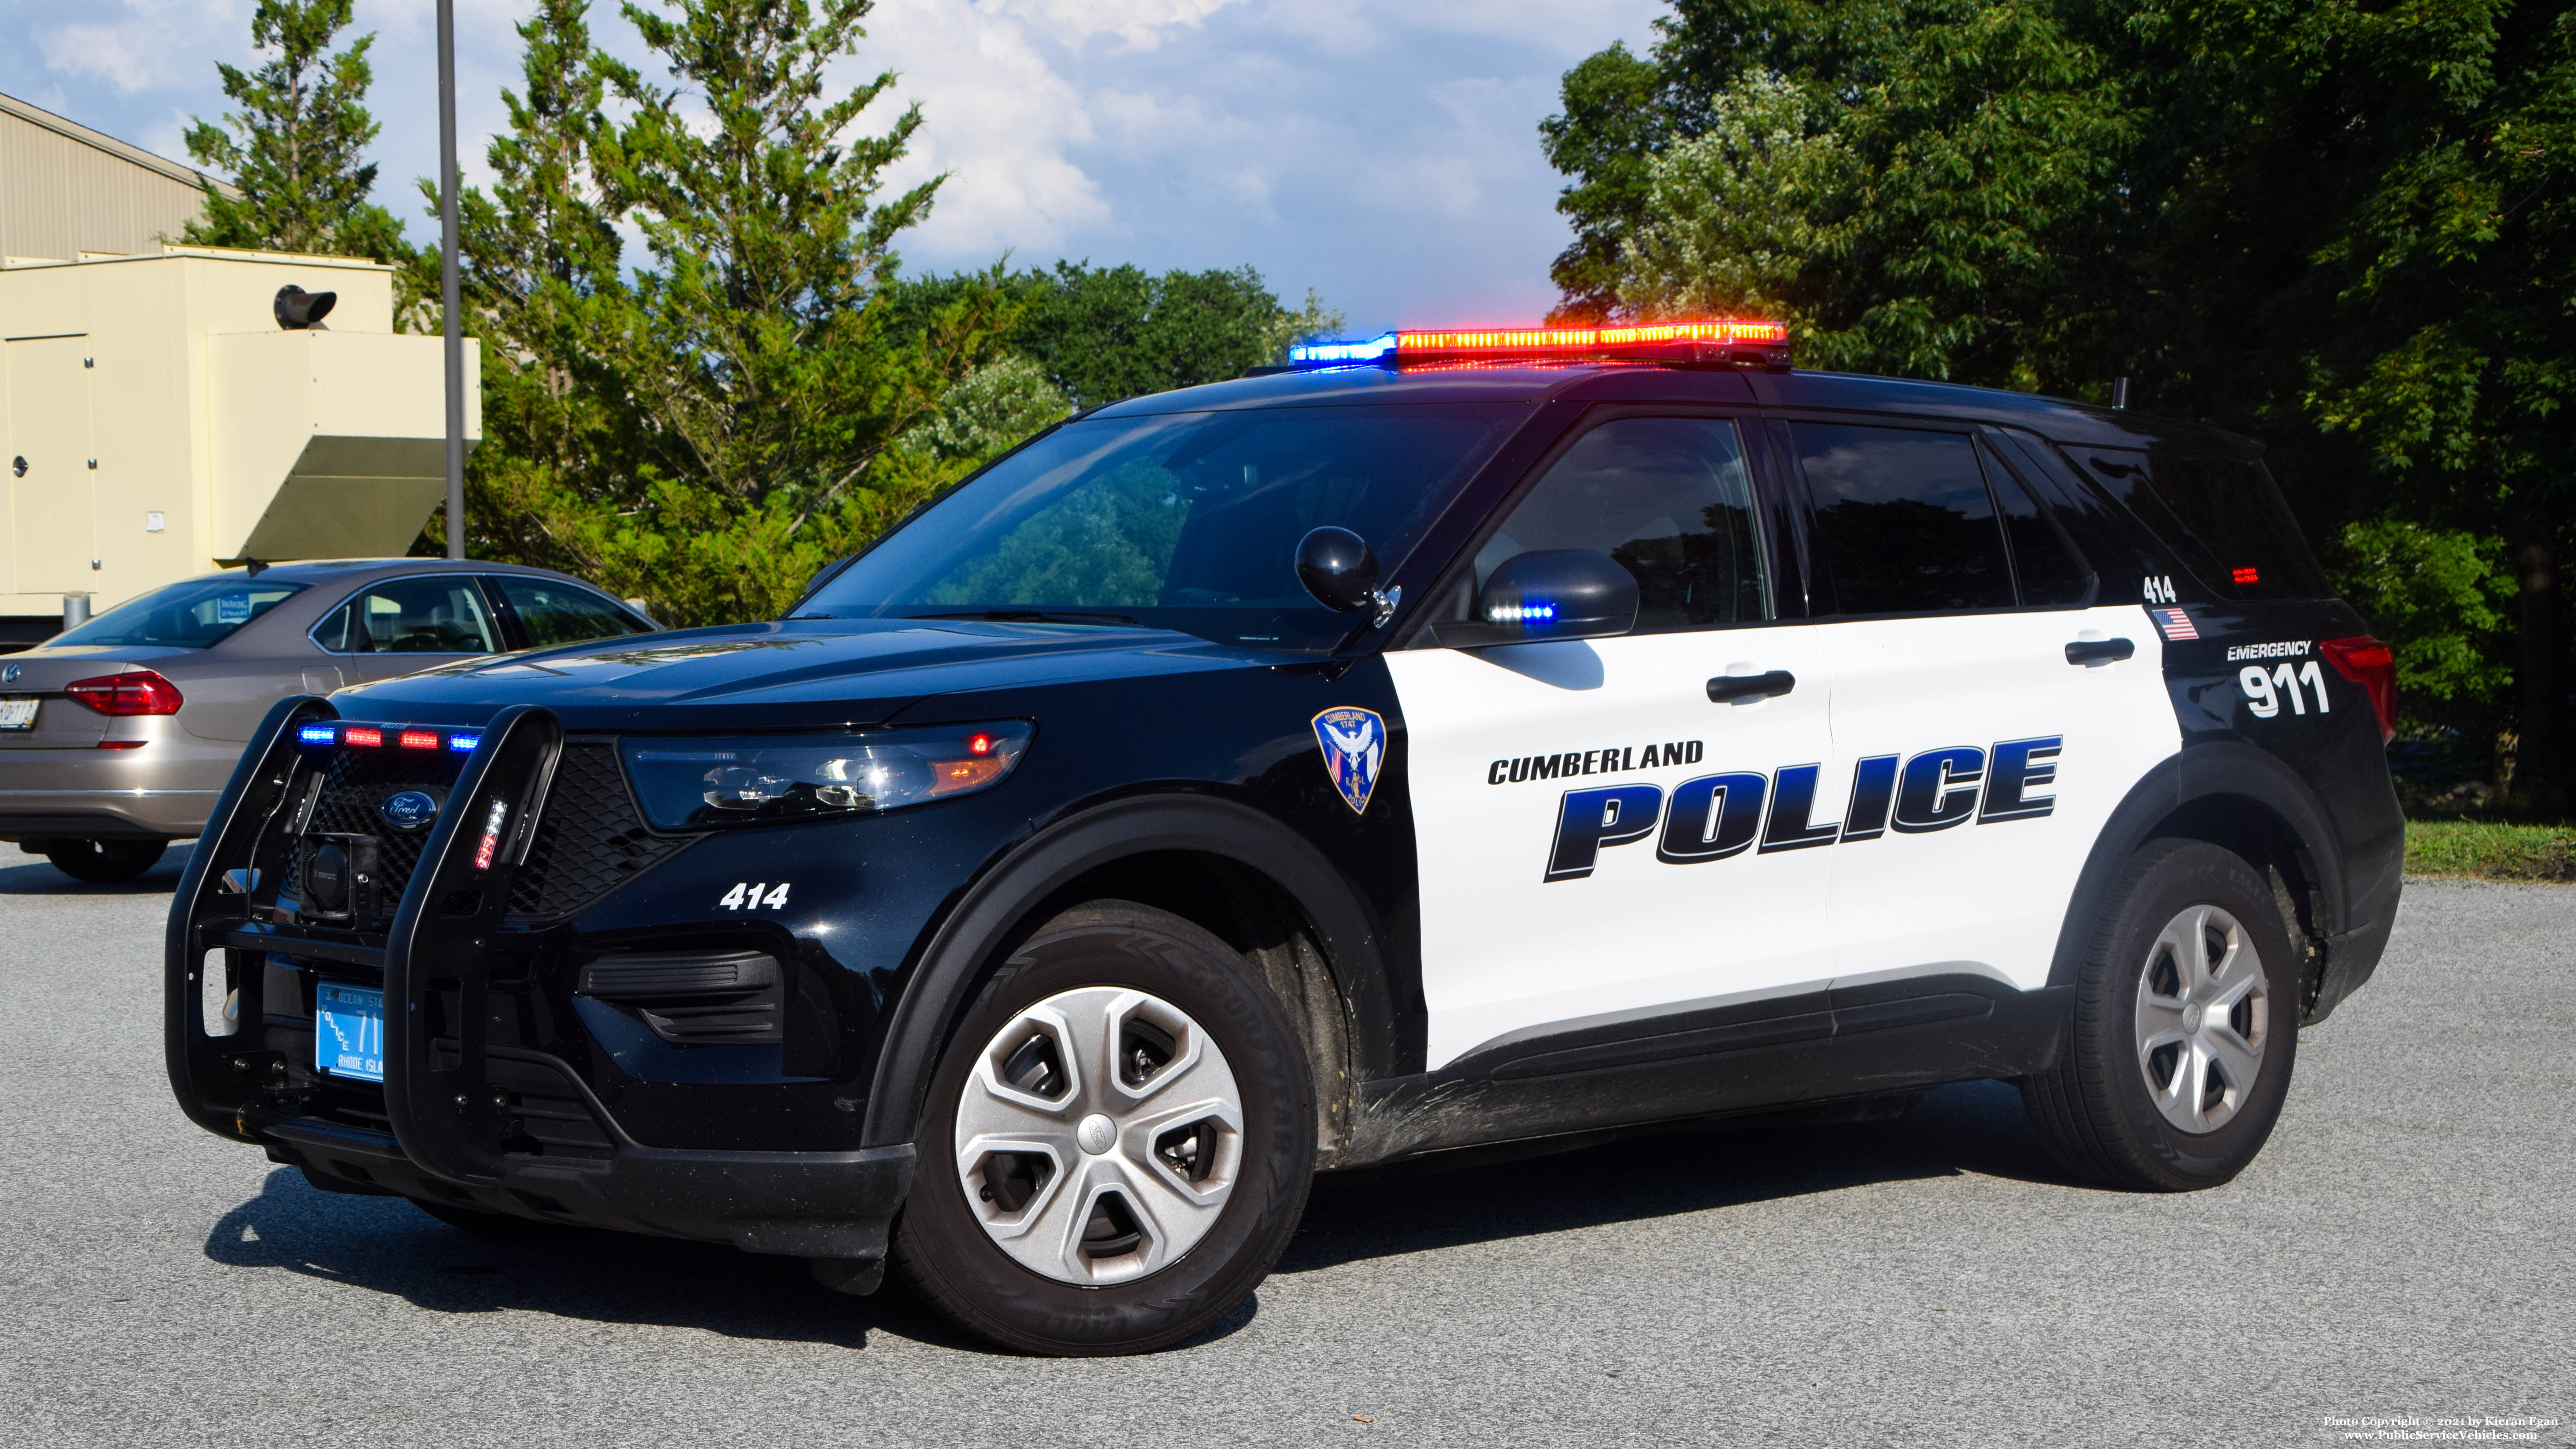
point(484, 1102)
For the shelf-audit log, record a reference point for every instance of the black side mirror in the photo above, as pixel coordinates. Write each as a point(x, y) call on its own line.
point(1340, 570)
point(1550, 593)
point(298, 309)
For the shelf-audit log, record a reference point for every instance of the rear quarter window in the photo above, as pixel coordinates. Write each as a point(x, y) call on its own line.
point(2222, 518)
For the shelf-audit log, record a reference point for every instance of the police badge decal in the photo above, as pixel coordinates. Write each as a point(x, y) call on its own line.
point(1354, 744)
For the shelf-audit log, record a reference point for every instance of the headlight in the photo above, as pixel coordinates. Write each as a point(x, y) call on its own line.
point(738, 780)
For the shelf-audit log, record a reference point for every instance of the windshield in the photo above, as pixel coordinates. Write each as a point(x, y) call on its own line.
point(1186, 521)
point(192, 615)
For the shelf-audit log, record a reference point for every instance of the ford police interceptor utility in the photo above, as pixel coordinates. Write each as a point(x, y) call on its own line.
point(1455, 739)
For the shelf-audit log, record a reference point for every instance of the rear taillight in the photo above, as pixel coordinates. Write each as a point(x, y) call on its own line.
point(137, 691)
point(2367, 662)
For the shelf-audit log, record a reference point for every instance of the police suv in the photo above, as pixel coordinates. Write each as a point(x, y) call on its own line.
point(1453, 740)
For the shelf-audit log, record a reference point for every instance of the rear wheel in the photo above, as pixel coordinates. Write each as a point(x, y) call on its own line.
point(2186, 1024)
point(105, 860)
point(1118, 1142)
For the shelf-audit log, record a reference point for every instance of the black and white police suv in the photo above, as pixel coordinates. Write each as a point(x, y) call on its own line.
point(1459, 739)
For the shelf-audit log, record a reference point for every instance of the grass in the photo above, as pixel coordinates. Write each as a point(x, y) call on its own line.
point(2491, 851)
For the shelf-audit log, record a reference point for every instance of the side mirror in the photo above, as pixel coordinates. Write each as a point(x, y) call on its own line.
point(1339, 569)
point(1550, 593)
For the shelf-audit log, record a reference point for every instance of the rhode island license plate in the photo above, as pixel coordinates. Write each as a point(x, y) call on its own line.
point(17, 714)
point(349, 1031)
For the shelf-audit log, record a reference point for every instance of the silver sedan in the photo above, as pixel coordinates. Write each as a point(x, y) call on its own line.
point(116, 736)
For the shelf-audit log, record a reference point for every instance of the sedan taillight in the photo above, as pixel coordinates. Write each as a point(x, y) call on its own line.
point(137, 691)
point(2372, 665)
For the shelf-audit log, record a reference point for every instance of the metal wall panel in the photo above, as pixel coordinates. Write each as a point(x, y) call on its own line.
point(65, 189)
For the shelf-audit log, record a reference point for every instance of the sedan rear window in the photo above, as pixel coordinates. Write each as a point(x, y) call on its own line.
point(189, 615)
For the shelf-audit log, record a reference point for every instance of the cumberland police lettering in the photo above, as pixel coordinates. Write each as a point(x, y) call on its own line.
point(1610, 761)
point(1717, 817)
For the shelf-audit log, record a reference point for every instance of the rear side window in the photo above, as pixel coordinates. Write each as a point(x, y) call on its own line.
point(1670, 500)
point(554, 613)
point(2224, 519)
point(2051, 572)
point(1903, 520)
point(443, 614)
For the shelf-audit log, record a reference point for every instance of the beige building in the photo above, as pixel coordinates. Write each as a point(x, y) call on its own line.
point(161, 421)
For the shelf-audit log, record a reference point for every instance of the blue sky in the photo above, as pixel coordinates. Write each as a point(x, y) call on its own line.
point(1384, 154)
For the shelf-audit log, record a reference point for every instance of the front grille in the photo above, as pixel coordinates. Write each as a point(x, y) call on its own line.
point(354, 788)
point(590, 840)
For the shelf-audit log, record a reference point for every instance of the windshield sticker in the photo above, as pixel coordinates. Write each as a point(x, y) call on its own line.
point(232, 608)
point(1354, 744)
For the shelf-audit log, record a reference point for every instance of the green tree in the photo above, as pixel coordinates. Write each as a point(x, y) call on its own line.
point(2344, 229)
point(294, 148)
point(1105, 333)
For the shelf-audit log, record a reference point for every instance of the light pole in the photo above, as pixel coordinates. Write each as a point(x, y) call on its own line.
point(448, 305)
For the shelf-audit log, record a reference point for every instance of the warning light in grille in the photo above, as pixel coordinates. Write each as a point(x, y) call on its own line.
point(420, 739)
point(2247, 576)
point(491, 836)
point(365, 737)
point(317, 734)
point(463, 744)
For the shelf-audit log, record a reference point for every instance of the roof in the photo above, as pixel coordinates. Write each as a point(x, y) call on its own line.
point(2057, 419)
point(101, 141)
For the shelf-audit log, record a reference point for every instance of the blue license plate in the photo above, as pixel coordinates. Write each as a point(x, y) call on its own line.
point(349, 1031)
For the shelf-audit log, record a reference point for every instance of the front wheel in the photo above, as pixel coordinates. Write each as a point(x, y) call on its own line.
point(2186, 1024)
point(1118, 1142)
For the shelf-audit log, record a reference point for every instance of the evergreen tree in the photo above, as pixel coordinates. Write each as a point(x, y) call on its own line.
point(293, 149)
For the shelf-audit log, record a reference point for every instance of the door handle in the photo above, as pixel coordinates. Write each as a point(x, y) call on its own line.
point(2089, 652)
point(1727, 688)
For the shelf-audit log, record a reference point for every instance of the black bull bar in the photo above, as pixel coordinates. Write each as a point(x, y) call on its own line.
point(446, 1110)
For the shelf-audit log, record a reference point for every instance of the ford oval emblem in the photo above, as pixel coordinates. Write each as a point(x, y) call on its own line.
point(10, 674)
point(408, 810)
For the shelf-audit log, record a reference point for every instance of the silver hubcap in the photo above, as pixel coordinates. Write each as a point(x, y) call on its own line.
point(2204, 1015)
point(1099, 1136)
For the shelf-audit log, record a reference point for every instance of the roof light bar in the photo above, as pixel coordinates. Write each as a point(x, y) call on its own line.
point(1738, 342)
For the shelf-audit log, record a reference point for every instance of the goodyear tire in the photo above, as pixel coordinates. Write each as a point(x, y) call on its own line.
point(2186, 1027)
point(1117, 1144)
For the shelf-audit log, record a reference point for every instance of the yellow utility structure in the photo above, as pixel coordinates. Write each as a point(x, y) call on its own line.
point(166, 415)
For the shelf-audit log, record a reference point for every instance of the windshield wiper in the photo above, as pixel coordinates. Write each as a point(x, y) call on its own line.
point(1033, 616)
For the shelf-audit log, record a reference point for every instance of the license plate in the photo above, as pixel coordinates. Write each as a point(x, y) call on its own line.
point(17, 714)
point(349, 1031)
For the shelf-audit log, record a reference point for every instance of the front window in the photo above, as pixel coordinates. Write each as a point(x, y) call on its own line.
point(1186, 521)
point(193, 615)
point(552, 613)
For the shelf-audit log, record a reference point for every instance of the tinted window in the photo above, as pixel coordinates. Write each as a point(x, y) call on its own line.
point(192, 615)
point(1186, 521)
point(1903, 520)
point(2237, 533)
point(2051, 573)
point(558, 613)
point(438, 615)
point(1669, 499)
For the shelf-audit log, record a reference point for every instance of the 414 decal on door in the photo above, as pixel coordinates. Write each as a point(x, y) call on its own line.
point(755, 896)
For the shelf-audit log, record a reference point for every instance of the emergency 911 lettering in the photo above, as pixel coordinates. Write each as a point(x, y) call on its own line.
point(1716, 817)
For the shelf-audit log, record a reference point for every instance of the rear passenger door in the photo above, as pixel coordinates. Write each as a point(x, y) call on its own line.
point(1979, 759)
point(1598, 842)
point(402, 626)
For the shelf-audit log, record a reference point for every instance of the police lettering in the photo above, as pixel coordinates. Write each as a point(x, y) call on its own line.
point(1615, 759)
point(1717, 817)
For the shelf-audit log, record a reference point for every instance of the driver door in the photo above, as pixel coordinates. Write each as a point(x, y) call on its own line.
point(1599, 841)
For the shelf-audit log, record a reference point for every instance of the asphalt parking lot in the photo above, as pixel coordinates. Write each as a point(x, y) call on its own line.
point(2404, 1250)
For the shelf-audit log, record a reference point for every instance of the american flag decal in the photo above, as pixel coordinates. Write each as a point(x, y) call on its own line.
point(2175, 623)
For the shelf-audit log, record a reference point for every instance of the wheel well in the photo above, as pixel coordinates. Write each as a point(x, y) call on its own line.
point(2263, 839)
point(1260, 918)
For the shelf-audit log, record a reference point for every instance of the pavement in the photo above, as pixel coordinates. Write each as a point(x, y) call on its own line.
point(2400, 1256)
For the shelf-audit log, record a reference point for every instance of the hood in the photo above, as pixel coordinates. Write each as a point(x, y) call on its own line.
point(797, 674)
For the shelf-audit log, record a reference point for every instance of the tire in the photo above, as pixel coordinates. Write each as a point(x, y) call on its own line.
point(105, 860)
point(1152, 1198)
point(2182, 1048)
